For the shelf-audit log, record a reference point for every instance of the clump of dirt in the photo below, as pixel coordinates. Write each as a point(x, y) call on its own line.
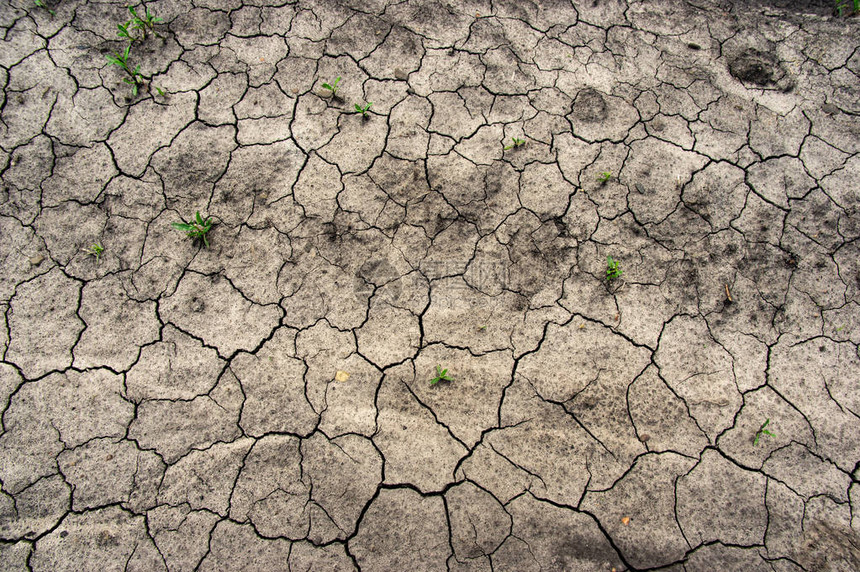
point(589, 106)
point(759, 68)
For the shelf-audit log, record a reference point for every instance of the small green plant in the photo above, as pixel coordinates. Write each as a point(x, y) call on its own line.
point(613, 269)
point(332, 87)
point(145, 24)
point(196, 228)
point(95, 249)
point(604, 176)
point(135, 78)
point(841, 5)
point(762, 431)
point(123, 32)
point(441, 375)
point(43, 4)
point(363, 109)
point(160, 91)
point(516, 143)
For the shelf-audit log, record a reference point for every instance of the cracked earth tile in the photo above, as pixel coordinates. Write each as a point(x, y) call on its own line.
point(772, 134)
point(408, 122)
point(700, 372)
point(451, 250)
point(274, 387)
point(777, 180)
point(173, 428)
point(546, 537)
point(399, 54)
point(110, 536)
point(820, 158)
point(200, 26)
point(736, 558)
point(217, 99)
point(105, 471)
point(181, 535)
point(389, 335)
point(346, 406)
point(544, 191)
point(15, 556)
point(417, 449)
point(652, 170)
point(807, 474)
point(495, 474)
point(30, 443)
point(314, 289)
point(479, 523)
point(646, 496)
point(815, 377)
point(26, 112)
point(469, 405)
point(570, 359)
point(177, 367)
point(356, 144)
point(439, 24)
point(238, 547)
point(717, 193)
point(354, 38)
point(194, 161)
point(483, 147)
point(839, 185)
point(661, 418)
point(218, 314)
point(558, 465)
point(114, 332)
point(305, 556)
point(402, 530)
point(344, 474)
point(719, 501)
point(67, 229)
point(205, 479)
point(35, 510)
point(317, 188)
point(87, 115)
point(270, 491)
point(452, 117)
point(18, 247)
point(135, 141)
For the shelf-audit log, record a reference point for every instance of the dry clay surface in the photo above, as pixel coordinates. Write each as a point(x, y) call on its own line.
point(266, 403)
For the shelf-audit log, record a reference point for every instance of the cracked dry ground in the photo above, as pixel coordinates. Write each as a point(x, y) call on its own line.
point(171, 407)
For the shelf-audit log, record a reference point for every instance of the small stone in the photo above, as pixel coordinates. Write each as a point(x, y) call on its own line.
point(829, 109)
point(625, 520)
point(400, 74)
point(36, 259)
point(645, 437)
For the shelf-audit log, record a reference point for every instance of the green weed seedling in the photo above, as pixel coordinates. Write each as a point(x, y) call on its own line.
point(841, 5)
point(146, 24)
point(613, 269)
point(95, 249)
point(604, 176)
point(441, 375)
point(124, 33)
point(332, 87)
point(516, 143)
point(135, 78)
point(762, 431)
point(363, 109)
point(43, 4)
point(196, 228)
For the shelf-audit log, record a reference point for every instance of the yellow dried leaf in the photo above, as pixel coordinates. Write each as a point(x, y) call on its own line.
point(341, 376)
point(625, 520)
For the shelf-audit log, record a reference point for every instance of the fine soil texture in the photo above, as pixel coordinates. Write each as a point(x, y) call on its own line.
point(490, 285)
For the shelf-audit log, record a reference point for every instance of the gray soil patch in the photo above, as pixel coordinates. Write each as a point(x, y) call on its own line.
point(275, 401)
